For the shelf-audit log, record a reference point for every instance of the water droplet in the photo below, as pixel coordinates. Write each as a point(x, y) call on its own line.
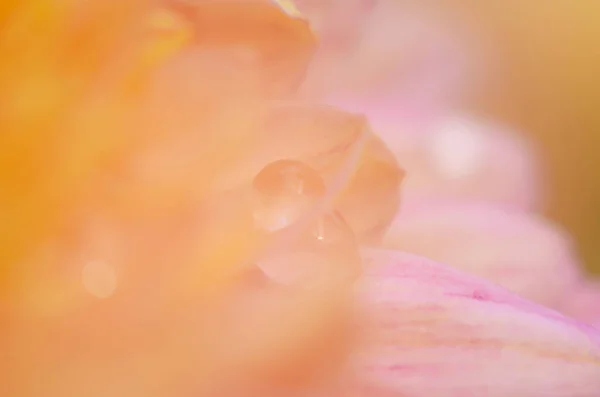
point(332, 229)
point(326, 254)
point(99, 279)
point(283, 191)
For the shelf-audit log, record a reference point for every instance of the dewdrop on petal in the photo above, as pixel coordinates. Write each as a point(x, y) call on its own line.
point(284, 191)
point(324, 256)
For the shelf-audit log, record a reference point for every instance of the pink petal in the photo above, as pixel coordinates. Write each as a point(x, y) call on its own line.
point(442, 333)
point(520, 251)
point(236, 29)
point(584, 303)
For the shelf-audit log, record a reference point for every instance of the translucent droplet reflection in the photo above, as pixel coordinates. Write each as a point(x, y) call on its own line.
point(331, 229)
point(326, 252)
point(99, 279)
point(283, 191)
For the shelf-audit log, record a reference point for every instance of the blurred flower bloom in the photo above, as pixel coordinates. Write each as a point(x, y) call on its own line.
point(428, 64)
point(180, 225)
point(460, 158)
point(450, 160)
point(420, 76)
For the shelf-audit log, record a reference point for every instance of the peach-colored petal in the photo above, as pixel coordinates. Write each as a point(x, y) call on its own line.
point(377, 179)
point(584, 303)
point(268, 36)
point(320, 136)
point(440, 333)
point(326, 138)
point(520, 251)
point(338, 23)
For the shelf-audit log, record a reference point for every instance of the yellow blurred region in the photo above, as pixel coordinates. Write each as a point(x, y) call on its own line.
point(77, 123)
point(43, 78)
point(171, 32)
point(68, 109)
point(259, 33)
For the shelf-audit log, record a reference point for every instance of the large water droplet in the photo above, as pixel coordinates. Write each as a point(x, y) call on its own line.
point(283, 191)
point(325, 254)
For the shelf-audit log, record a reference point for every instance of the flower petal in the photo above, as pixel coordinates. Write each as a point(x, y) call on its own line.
point(371, 199)
point(519, 251)
point(426, 63)
point(264, 33)
point(584, 303)
point(441, 333)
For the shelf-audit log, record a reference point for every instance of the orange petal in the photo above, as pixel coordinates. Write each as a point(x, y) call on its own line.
point(371, 199)
point(261, 33)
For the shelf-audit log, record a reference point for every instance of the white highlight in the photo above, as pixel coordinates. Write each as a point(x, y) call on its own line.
point(457, 149)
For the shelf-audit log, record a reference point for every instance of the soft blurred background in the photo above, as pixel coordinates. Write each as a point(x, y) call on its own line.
point(540, 59)
point(545, 81)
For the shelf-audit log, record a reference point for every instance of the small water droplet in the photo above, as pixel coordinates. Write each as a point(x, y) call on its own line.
point(326, 252)
point(332, 229)
point(283, 191)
